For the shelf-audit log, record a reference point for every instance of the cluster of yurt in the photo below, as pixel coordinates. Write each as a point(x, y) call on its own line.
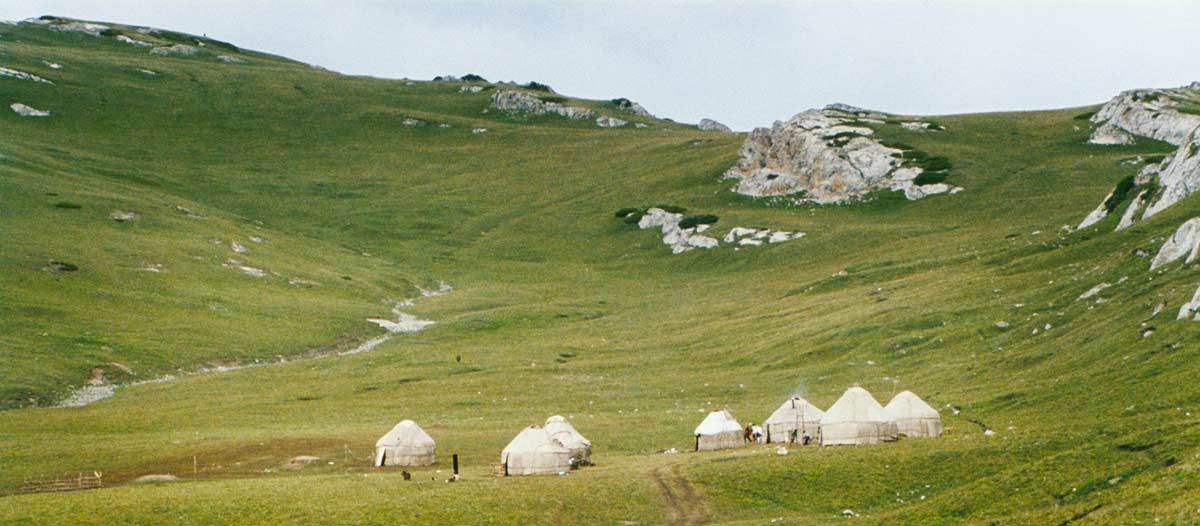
point(555, 448)
point(856, 418)
point(405, 445)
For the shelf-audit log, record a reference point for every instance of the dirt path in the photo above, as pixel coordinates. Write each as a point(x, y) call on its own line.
point(683, 505)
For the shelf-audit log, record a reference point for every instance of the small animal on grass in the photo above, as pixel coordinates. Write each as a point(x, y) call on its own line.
point(406, 475)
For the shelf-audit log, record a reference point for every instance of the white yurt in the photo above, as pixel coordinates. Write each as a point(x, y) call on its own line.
point(405, 445)
point(856, 418)
point(797, 414)
point(562, 430)
point(535, 452)
point(913, 416)
point(718, 431)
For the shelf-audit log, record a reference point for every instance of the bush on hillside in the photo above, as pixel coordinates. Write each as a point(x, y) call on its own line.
point(1119, 194)
point(896, 145)
point(696, 220)
point(626, 211)
point(471, 77)
point(632, 219)
point(931, 177)
point(671, 209)
point(67, 205)
point(932, 164)
point(538, 86)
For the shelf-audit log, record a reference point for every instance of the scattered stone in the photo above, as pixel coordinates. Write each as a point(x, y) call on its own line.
point(148, 73)
point(470, 89)
point(52, 65)
point(479, 130)
point(155, 479)
point(989, 433)
point(1002, 325)
point(230, 59)
point(640, 125)
point(781, 451)
point(175, 50)
point(631, 107)
point(27, 111)
point(403, 323)
point(21, 75)
point(849, 513)
point(87, 394)
point(520, 102)
point(918, 126)
point(1185, 242)
point(122, 216)
point(411, 121)
point(133, 41)
point(711, 125)
point(238, 247)
point(610, 122)
point(248, 270)
point(1093, 291)
point(60, 266)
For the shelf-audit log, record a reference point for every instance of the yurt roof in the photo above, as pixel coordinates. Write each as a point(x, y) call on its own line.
point(909, 405)
point(534, 439)
point(561, 429)
point(716, 422)
point(406, 433)
point(855, 405)
point(794, 409)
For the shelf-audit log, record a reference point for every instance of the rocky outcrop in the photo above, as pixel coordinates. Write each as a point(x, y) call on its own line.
point(1147, 113)
point(610, 122)
point(1097, 215)
point(631, 107)
point(133, 41)
point(745, 236)
point(711, 125)
point(68, 25)
point(230, 59)
point(175, 50)
point(27, 111)
point(520, 102)
point(679, 239)
point(1184, 242)
point(1178, 175)
point(21, 75)
point(1190, 309)
point(821, 157)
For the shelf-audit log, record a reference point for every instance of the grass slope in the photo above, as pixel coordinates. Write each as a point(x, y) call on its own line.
point(558, 308)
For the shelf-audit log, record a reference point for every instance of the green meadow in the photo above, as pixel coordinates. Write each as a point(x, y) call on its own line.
point(557, 307)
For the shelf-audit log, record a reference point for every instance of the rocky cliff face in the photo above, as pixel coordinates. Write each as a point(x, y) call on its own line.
point(821, 156)
point(1148, 113)
point(1169, 115)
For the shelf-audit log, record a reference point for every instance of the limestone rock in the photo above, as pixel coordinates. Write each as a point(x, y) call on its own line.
point(1179, 176)
point(27, 111)
point(521, 102)
point(1148, 113)
point(1185, 242)
point(133, 41)
point(711, 125)
point(631, 107)
point(1191, 308)
point(1130, 215)
point(816, 154)
point(68, 25)
point(610, 122)
point(230, 59)
point(470, 89)
point(175, 50)
point(21, 75)
point(1097, 215)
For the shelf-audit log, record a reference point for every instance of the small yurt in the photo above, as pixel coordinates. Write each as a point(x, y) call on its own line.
point(797, 414)
point(562, 431)
point(913, 416)
point(856, 418)
point(718, 431)
point(535, 452)
point(405, 445)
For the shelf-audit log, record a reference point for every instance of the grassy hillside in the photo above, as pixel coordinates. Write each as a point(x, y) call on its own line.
point(557, 308)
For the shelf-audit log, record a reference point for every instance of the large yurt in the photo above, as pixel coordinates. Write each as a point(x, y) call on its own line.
point(405, 445)
point(795, 414)
point(566, 434)
point(718, 431)
point(913, 416)
point(535, 452)
point(856, 418)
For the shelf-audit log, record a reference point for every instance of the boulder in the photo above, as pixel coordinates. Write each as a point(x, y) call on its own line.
point(21, 75)
point(1179, 175)
point(1185, 242)
point(133, 41)
point(470, 89)
point(817, 155)
point(27, 111)
point(1098, 214)
point(520, 102)
point(631, 107)
point(1130, 215)
point(711, 125)
point(610, 122)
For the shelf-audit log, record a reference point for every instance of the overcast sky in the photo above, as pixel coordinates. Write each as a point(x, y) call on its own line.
point(745, 63)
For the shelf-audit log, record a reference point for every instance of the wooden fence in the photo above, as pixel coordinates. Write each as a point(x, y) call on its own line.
point(78, 482)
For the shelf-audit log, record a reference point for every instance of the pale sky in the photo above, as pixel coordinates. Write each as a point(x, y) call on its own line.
point(743, 63)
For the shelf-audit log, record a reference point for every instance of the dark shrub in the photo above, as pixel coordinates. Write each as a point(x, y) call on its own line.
point(62, 266)
point(632, 219)
point(1119, 194)
point(931, 177)
point(552, 98)
point(896, 145)
point(626, 211)
point(1154, 159)
point(914, 155)
point(110, 32)
point(696, 220)
point(672, 209)
point(1084, 116)
point(933, 164)
point(471, 77)
point(538, 86)
point(66, 204)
